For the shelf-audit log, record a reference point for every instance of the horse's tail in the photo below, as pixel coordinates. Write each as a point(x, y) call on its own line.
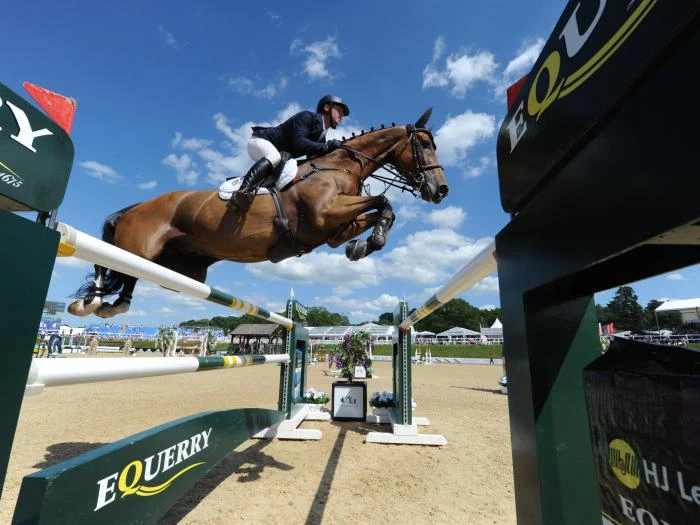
point(113, 280)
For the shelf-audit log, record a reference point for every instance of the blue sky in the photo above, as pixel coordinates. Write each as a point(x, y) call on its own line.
point(168, 91)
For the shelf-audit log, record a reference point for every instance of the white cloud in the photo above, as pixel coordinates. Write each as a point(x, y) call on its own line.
point(430, 256)
point(148, 185)
point(359, 306)
point(274, 18)
point(247, 86)
point(321, 268)
point(185, 168)
point(318, 54)
point(166, 311)
point(520, 65)
point(460, 133)
point(478, 169)
point(450, 217)
point(488, 307)
point(675, 277)
point(486, 285)
point(100, 171)
point(460, 71)
point(168, 38)
point(191, 143)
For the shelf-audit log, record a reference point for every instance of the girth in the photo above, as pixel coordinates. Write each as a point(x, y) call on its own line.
point(287, 245)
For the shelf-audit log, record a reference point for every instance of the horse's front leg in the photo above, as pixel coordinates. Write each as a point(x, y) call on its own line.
point(346, 209)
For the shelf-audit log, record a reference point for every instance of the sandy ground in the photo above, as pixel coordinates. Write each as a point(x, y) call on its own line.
point(338, 480)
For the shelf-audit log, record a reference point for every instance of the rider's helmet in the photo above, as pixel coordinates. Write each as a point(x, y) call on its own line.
point(332, 99)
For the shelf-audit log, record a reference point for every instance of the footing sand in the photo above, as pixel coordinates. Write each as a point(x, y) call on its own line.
point(338, 480)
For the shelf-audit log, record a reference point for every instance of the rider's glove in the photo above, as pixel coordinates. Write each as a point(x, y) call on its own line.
point(333, 144)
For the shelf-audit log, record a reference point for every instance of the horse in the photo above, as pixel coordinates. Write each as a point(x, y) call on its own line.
point(188, 231)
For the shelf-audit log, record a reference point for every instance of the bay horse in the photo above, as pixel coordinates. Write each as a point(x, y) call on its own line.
point(188, 231)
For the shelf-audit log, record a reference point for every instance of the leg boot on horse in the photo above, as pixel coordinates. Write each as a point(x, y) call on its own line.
point(242, 198)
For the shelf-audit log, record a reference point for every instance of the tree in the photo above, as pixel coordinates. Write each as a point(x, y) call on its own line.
point(387, 318)
point(666, 320)
point(625, 311)
point(488, 317)
point(456, 312)
point(320, 316)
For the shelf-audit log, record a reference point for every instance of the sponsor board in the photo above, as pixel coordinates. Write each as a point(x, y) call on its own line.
point(36, 156)
point(596, 53)
point(643, 405)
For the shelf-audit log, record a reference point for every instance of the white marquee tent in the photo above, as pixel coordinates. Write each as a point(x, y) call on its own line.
point(688, 308)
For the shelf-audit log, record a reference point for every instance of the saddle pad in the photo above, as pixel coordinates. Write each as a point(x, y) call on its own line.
point(286, 177)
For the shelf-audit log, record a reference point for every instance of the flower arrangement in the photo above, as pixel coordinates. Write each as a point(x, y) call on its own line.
point(382, 399)
point(315, 397)
point(352, 352)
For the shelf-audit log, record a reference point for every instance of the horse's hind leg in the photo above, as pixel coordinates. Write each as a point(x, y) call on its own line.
point(142, 231)
point(93, 299)
point(123, 302)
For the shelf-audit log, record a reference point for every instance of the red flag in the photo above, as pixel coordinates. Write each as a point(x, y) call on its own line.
point(61, 109)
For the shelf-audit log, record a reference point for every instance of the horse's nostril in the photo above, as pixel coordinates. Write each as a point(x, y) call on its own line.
point(443, 189)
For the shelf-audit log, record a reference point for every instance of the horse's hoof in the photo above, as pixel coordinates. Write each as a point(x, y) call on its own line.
point(356, 250)
point(80, 309)
point(108, 310)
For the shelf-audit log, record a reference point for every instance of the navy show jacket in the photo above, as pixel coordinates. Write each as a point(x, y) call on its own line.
point(298, 135)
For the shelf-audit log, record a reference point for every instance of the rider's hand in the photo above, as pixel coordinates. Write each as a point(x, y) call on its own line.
point(333, 144)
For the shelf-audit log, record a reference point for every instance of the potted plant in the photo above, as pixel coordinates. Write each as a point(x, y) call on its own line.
point(381, 403)
point(352, 352)
point(315, 397)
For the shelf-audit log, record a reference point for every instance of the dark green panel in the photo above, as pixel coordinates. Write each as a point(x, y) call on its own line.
point(594, 226)
point(31, 180)
point(27, 255)
point(110, 485)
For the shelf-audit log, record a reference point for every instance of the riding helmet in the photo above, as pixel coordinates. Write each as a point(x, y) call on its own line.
point(334, 99)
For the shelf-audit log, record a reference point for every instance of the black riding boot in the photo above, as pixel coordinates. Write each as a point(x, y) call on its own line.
point(243, 197)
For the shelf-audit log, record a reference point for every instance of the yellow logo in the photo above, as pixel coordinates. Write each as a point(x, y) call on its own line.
point(624, 463)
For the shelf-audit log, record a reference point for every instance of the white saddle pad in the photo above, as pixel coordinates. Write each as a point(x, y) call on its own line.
point(287, 176)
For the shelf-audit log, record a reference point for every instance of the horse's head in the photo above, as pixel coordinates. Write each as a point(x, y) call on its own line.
point(418, 164)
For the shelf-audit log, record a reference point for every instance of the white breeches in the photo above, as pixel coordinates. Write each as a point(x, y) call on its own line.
point(259, 148)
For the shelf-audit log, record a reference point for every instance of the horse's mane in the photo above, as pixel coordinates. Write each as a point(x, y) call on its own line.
point(363, 132)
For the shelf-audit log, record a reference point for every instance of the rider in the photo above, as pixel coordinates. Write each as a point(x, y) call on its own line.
point(302, 134)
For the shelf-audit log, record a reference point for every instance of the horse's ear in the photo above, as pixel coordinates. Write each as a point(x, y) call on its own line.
point(423, 120)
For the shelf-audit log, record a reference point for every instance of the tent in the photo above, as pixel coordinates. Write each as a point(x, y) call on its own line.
point(688, 308)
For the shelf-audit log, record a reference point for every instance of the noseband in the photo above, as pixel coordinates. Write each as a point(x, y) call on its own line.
point(417, 177)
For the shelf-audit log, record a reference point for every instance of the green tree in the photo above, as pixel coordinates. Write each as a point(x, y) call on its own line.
point(666, 320)
point(489, 316)
point(625, 311)
point(320, 316)
point(387, 318)
point(456, 312)
point(603, 314)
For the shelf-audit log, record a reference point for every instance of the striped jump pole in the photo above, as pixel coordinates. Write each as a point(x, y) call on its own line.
point(55, 372)
point(75, 243)
point(474, 271)
point(404, 425)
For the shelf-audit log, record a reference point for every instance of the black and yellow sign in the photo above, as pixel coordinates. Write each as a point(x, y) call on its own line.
point(596, 54)
point(644, 414)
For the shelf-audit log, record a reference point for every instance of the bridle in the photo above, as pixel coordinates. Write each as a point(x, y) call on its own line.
point(415, 181)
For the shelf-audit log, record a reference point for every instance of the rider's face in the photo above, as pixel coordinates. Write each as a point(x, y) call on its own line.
point(336, 115)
